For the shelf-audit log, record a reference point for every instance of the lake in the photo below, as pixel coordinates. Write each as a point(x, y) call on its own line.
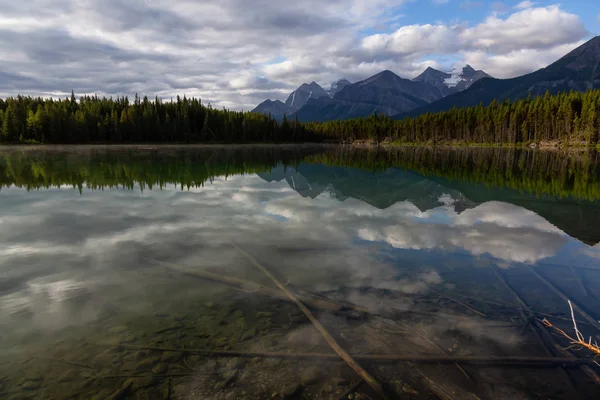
point(175, 272)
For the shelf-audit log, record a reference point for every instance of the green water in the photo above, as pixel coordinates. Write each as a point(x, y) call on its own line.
point(106, 256)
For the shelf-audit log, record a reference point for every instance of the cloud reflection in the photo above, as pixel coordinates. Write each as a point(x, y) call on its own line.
point(69, 243)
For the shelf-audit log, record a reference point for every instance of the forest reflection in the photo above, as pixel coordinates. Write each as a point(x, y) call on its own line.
point(574, 174)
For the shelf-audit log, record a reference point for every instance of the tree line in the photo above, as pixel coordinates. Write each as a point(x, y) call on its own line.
point(105, 120)
point(573, 117)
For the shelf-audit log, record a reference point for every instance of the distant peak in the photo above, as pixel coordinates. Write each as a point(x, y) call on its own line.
point(468, 68)
point(385, 74)
point(431, 75)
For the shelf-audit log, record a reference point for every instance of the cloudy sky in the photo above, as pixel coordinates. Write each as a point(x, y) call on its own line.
point(236, 53)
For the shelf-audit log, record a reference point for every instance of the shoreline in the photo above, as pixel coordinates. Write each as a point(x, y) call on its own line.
point(544, 145)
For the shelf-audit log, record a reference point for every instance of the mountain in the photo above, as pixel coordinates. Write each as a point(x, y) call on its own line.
point(437, 79)
point(464, 80)
point(300, 96)
point(453, 82)
point(384, 92)
point(336, 86)
point(275, 108)
point(295, 100)
point(579, 70)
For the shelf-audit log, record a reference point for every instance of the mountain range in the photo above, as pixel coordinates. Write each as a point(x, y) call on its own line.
point(434, 90)
point(384, 92)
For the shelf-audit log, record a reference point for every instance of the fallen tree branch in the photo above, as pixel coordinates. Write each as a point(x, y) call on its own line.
point(579, 340)
point(425, 359)
point(372, 382)
point(249, 286)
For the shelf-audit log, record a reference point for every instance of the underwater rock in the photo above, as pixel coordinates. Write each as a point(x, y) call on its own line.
point(128, 366)
point(160, 369)
point(235, 363)
point(31, 385)
point(310, 375)
point(249, 334)
point(171, 356)
point(145, 365)
point(166, 389)
point(264, 314)
point(231, 396)
point(240, 323)
point(406, 388)
point(290, 390)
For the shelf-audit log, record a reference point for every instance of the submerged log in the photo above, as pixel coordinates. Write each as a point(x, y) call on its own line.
point(372, 382)
point(253, 287)
point(424, 359)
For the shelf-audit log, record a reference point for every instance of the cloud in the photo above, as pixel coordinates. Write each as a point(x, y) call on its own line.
point(235, 55)
point(543, 31)
point(525, 4)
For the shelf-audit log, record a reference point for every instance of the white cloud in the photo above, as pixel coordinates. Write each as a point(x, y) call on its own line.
point(525, 4)
point(537, 28)
point(235, 55)
point(531, 29)
point(505, 47)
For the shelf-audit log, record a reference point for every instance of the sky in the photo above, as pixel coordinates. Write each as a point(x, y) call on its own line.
point(237, 53)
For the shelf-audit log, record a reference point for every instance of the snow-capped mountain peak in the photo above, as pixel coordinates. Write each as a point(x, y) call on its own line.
point(465, 78)
point(454, 79)
point(336, 86)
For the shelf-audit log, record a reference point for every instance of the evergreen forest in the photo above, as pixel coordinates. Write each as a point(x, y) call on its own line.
point(572, 117)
